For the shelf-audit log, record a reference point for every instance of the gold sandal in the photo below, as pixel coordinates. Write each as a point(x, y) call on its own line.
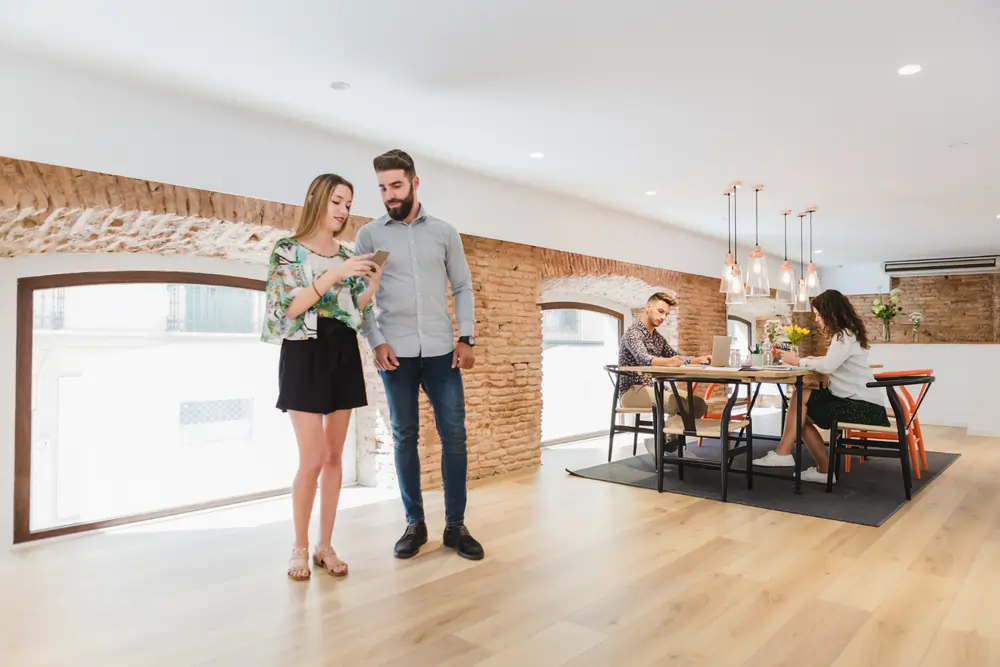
point(299, 562)
point(323, 554)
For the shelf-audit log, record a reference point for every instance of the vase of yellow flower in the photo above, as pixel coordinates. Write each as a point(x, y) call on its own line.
point(795, 334)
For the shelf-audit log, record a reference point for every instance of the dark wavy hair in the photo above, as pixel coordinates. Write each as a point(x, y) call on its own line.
point(839, 316)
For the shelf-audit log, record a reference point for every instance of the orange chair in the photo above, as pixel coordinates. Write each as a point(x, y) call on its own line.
point(915, 437)
point(745, 402)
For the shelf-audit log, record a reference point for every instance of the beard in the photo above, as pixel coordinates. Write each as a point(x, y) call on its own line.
point(400, 209)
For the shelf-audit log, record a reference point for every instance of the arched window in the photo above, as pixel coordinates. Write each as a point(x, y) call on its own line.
point(144, 394)
point(578, 340)
point(742, 332)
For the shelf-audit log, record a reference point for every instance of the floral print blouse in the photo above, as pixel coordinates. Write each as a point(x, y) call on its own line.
point(291, 269)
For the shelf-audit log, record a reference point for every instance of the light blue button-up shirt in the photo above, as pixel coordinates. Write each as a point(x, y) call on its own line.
point(412, 300)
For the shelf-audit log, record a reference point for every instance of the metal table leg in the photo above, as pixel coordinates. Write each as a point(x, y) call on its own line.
point(658, 436)
point(798, 435)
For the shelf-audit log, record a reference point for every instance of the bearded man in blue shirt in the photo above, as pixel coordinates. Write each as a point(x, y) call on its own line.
point(413, 339)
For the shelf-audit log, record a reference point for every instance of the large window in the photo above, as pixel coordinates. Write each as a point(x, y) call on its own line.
point(144, 394)
point(578, 340)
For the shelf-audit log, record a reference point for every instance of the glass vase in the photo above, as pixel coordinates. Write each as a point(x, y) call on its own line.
point(887, 331)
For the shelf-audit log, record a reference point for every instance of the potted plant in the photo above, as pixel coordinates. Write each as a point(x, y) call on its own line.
point(915, 320)
point(771, 348)
point(887, 309)
point(795, 334)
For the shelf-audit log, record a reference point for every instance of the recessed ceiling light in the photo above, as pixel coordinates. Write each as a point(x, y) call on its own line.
point(536, 155)
point(817, 252)
point(340, 85)
point(998, 217)
point(909, 70)
point(650, 192)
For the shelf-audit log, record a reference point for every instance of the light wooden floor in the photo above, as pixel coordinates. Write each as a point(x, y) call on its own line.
point(577, 573)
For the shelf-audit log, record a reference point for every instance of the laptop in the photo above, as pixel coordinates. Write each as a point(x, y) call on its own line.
point(720, 351)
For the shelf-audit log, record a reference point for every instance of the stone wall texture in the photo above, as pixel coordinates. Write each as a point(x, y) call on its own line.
point(48, 209)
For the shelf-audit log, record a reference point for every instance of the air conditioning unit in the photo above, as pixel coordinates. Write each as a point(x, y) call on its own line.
point(950, 266)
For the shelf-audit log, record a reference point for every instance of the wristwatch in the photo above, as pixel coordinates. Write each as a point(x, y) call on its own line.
point(468, 340)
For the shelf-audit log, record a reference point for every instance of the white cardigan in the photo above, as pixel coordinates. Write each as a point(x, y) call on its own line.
point(846, 364)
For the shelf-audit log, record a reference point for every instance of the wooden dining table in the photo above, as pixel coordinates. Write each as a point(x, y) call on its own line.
point(691, 374)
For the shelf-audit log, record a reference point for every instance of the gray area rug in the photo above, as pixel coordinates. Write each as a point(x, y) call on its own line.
point(868, 495)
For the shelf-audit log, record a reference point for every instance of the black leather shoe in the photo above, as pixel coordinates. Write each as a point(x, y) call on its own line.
point(466, 546)
point(413, 538)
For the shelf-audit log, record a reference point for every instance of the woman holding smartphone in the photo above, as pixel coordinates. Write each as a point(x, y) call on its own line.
point(319, 294)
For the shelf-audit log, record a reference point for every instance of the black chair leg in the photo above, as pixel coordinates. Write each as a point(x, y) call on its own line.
point(833, 458)
point(749, 456)
point(635, 436)
point(904, 463)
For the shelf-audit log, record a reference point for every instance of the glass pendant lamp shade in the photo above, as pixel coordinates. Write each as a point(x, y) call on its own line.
point(812, 280)
point(786, 283)
point(727, 273)
point(786, 275)
point(757, 281)
point(758, 284)
point(736, 294)
point(811, 276)
point(727, 270)
point(735, 289)
point(802, 304)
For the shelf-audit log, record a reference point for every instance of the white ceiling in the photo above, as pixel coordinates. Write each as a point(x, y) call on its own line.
point(676, 96)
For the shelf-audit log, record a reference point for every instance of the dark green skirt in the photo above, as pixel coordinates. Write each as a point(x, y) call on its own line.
point(823, 408)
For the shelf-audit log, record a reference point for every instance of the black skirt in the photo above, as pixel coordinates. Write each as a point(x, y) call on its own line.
point(322, 374)
point(824, 407)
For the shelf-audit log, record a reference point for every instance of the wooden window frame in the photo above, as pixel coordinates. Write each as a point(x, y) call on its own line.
point(22, 395)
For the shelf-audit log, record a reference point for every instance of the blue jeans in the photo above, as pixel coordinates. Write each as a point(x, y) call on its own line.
point(446, 392)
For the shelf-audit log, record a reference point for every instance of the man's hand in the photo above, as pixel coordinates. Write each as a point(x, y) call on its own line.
point(706, 360)
point(385, 358)
point(463, 357)
point(669, 362)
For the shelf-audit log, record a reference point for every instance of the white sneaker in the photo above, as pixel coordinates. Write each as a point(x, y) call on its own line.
point(775, 460)
point(813, 475)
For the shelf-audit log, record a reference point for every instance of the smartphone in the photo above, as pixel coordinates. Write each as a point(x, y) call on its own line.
point(380, 257)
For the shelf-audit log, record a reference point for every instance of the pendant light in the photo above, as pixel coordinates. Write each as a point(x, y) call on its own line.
point(812, 277)
point(802, 304)
point(786, 276)
point(736, 291)
point(727, 270)
point(758, 283)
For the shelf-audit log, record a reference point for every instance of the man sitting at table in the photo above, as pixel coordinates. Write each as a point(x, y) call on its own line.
point(643, 345)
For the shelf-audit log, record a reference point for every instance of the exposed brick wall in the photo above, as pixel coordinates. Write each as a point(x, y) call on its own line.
point(702, 308)
point(504, 390)
point(963, 309)
point(54, 209)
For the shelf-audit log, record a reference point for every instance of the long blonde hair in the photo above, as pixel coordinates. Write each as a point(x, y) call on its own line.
point(317, 200)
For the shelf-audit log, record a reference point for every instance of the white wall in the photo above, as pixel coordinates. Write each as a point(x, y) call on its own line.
point(37, 265)
point(78, 119)
point(856, 279)
point(963, 392)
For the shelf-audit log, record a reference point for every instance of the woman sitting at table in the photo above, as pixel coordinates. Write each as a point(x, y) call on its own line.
point(848, 398)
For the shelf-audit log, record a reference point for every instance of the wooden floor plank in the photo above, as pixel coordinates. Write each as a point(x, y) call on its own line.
point(578, 573)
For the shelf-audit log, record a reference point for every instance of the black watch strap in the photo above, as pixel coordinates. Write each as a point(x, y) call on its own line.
point(468, 340)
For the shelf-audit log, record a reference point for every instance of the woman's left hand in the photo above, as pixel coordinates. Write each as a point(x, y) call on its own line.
point(790, 358)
